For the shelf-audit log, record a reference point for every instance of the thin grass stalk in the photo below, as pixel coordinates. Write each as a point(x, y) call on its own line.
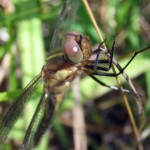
point(135, 129)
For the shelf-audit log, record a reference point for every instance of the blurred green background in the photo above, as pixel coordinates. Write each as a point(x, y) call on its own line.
point(26, 29)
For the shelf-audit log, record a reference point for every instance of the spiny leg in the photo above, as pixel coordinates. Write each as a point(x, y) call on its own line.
point(97, 61)
point(97, 51)
point(109, 86)
point(92, 62)
point(95, 72)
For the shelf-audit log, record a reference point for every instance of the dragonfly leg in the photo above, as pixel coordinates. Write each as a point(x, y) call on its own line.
point(91, 65)
point(109, 86)
point(97, 52)
point(98, 62)
point(99, 48)
point(96, 72)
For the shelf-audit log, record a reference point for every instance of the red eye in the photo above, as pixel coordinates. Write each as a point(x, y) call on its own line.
point(72, 49)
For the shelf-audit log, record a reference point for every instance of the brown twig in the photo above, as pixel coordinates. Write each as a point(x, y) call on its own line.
point(79, 128)
point(135, 129)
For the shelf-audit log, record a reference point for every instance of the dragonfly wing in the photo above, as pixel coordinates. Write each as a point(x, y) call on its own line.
point(46, 120)
point(64, 24)
point(15, 110)
point(40, 122)
point(44, 112)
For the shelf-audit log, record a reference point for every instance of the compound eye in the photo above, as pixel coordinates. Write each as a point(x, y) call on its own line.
point(72, 50)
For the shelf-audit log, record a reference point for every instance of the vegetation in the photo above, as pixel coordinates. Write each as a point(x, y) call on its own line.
point(26, 29)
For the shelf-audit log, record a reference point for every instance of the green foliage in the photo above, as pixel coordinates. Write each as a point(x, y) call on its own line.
point(29, 41)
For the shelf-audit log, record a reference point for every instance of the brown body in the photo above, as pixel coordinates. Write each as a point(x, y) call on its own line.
point(59, 72)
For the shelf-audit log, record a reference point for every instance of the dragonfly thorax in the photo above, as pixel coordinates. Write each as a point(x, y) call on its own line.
point(57, 74)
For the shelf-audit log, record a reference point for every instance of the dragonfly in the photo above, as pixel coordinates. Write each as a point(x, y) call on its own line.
point(61, 67)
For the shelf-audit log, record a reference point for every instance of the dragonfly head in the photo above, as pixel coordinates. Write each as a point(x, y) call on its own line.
point(77, 47)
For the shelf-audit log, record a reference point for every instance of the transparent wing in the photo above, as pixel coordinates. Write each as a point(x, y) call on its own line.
point(13, 113)
point(42, 118)
point(44, 112)
point(64, 23)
